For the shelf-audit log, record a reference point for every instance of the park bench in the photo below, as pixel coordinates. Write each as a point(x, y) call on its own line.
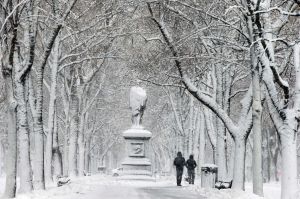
point(62, 181)
point(223, 184)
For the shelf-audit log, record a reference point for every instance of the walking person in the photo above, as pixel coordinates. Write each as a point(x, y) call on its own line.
point(179, 162)
point(191, 165)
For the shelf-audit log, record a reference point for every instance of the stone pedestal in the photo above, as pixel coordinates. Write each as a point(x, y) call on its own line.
point(137, 164)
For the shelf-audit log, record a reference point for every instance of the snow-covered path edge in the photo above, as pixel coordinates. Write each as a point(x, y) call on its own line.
point(86, 185)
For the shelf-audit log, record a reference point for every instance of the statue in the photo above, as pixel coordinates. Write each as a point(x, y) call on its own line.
point(136, 163)
point(137, 101)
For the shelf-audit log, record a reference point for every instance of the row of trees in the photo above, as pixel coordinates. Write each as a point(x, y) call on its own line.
point(258, 40)
point(220, 66)
point(54, 60)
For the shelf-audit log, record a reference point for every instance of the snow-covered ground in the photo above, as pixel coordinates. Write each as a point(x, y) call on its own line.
point(108, 187)
point(272, 190)
point(2, 184)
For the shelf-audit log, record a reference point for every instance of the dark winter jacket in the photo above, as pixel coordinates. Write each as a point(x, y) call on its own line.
point(191, 163)
point(179, 161)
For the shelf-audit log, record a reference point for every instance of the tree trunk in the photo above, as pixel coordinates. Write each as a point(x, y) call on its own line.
point(57, 156)
point(220, 147)
point(81, 146)
point(87, 159)
point(11, 154)
point(210, 128)
point(231, 158)
point(289, 183)
point(23, 132)
point(74, 127)
point(191, 126)
point(275, 162)
point(239, 164)
point(39, 175)
point(196, 137)
point(2, 160)
point(269, 154)
point(66, 141)
point(66, 154)
point(201, 142)
point(185, 144)
point(257, 134)
point(288, 136)
point(51, 115)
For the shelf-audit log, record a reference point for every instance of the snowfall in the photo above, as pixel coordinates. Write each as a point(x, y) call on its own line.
point(108, 187)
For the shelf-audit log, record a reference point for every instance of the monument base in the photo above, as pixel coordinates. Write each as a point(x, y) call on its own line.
point(136, 165)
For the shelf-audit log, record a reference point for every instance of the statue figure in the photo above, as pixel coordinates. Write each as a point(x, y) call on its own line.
point(137, 101)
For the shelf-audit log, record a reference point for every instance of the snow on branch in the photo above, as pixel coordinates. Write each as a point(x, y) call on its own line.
point(240, 77)
point(210, 128)
point(84, 42)
point(272, 91)
point(92, 100)
point(207, 101)
point(246, 103)
point(161, 84)
point(214, 17)
point(274, 114)
point(90, 76)
point(83, 60)
point(282, 83)
point(235, 93)
point(181, 14)
point(49, 44)
point(236, 46)
point(177, 118)
point(11, 14)
point(279, 10)
point(269, 66)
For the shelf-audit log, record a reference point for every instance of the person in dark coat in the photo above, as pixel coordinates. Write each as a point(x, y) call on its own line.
point(179, 162)
point(191, 165)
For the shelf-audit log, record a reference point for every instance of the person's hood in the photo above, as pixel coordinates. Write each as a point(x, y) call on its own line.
point(179, 154)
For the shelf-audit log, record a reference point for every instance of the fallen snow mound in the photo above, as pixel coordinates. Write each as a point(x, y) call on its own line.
point(223, 194)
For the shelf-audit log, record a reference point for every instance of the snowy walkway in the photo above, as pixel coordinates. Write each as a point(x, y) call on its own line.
point(129, 192)
point(108, 187)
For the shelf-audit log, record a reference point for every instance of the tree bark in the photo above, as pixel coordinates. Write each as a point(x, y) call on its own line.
point(2, 159)
point(289, 183)
point(220, 147)
point(196, 146)
point(74, 128)
point(286, 122)
point(87, 154)
point(66, 102)
point(23, 132)
point(11, 154)
point(288, 136)
point(39, 175)
point(12, 149)
point(257, 134)
point(66, 154)
point(81, 148)
point(201, 142)
point(191, 126)
point(57, 156)
point(239, 164)
point(51, 114)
